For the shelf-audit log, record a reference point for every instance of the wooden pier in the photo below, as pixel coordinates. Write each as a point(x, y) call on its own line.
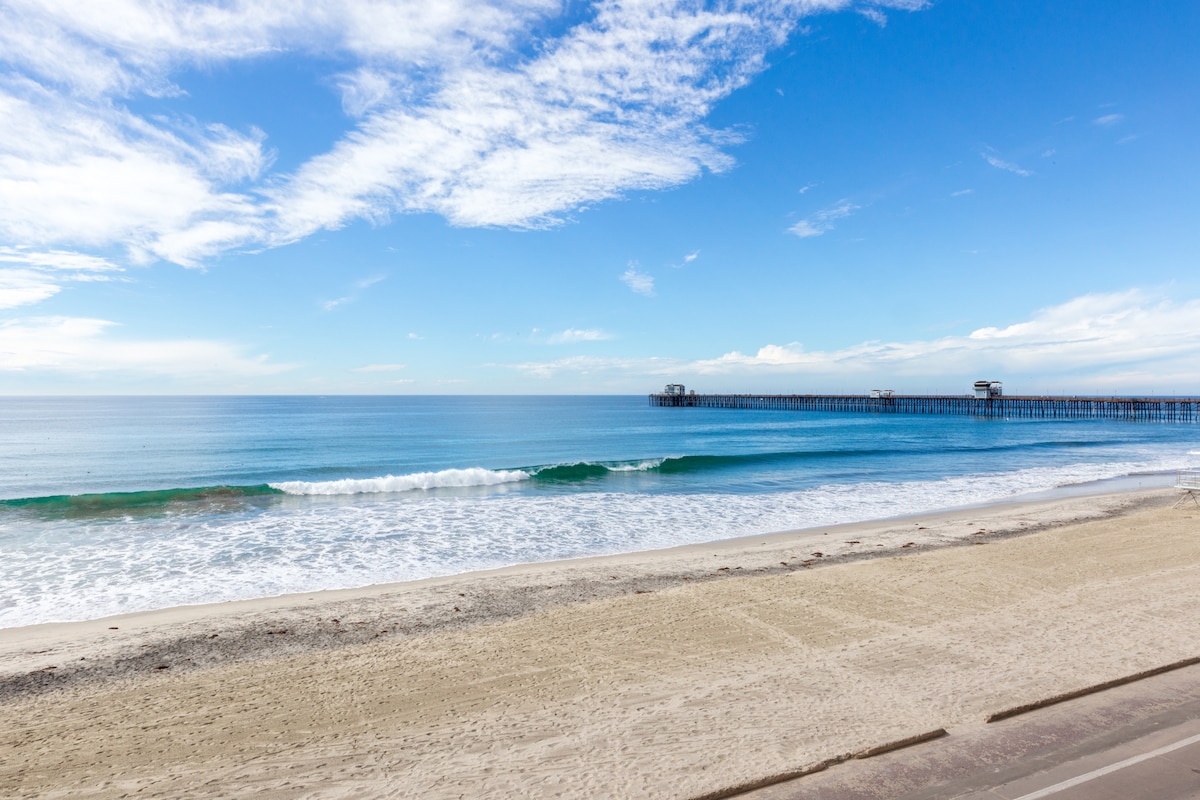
point(1148, 409)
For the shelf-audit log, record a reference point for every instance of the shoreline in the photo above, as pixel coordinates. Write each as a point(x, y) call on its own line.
point(669, 674)
point(1120, 485)
point(134, 568)
point(182, 636)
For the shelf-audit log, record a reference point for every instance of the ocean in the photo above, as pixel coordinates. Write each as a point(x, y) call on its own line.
point(111, 505)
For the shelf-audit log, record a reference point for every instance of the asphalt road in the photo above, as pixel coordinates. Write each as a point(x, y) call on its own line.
point(1140, 741)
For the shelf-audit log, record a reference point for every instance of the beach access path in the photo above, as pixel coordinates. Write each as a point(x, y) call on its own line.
point(676, 674)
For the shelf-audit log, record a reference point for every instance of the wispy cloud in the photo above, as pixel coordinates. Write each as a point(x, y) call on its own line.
point(689, 258)
point(1123, 341)
point(1007, 166)
point(962, 192)
point(822, 221)
point(358, 287)
point(589, 365)
point(379, 368)
point(29, 276)
point(454, 109)
point(574, 335)
point(1108, 120)
point(86, 347)
point(873, 12)
point(1092, 333)
point(875, 15)
point(639, 282)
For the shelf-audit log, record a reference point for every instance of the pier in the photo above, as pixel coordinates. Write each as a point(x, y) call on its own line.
point(1147, 409)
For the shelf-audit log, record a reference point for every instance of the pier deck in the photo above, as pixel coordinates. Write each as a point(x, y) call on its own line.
point(1149, 409)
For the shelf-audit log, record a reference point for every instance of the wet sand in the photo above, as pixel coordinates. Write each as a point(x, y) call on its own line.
point(673, 674)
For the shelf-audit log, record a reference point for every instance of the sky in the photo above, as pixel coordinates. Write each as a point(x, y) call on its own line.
point(564, 197)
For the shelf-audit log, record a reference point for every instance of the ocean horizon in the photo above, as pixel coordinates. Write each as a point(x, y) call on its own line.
point(111, 505)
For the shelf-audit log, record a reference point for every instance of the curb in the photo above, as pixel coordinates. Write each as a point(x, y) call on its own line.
point(749, 786)
point(1099, 687)
point(900, 744)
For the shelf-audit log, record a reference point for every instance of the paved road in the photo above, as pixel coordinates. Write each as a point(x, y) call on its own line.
point(1140, 741)
point(1164, 765)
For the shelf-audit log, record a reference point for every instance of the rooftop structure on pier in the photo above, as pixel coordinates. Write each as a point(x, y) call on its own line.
point(988, 389)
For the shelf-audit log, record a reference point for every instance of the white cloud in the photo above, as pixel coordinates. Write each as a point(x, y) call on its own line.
point(612, 106)
point(38, 275)
point(124, 46)
point(84, 346)
point(1007, 166)
point(358, 287)
point(962, 192)
point(93, 176)
point(19, 287)
point(455, 109)
point(589, 365)
point(822, 221)
point(379, 368)
point(574, 335)
point(689, 258)
point(1129, 341)
point(1108, 120)
point(1093, 333)
point(369, 282)
point(875, 15)
point(903, 5)
point(639, 282)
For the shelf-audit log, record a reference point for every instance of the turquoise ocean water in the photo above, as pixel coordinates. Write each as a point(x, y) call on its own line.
point(118, 504)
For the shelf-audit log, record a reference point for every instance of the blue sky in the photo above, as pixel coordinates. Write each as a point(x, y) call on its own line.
point(564, 197)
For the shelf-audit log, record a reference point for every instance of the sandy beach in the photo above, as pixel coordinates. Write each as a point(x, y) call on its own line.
point(679, 673)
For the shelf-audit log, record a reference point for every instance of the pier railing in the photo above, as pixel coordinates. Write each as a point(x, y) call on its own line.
point(1150, 409)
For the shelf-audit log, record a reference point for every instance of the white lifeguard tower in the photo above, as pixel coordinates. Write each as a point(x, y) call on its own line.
point(1188, 481)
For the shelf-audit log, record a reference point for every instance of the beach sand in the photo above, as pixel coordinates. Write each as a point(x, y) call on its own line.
point(673, 674)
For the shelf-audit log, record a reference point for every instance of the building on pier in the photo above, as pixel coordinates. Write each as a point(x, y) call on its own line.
point(985, 390)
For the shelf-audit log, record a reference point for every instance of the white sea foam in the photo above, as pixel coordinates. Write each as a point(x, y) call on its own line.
point(447, 478)
point(641, 466)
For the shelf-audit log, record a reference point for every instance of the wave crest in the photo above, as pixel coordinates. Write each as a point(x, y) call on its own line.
point(389, 484)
